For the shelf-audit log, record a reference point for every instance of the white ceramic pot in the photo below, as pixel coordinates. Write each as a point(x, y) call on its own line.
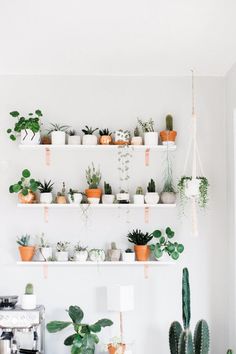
point(128, 257)
point(46, 198)
point(122, 196)
point(28, 302)
point(152, 198)
point(108, 198)
point(168, 197)
point(27, 137)
point(44, 253)
point(74, 140)
point(89, 139)
point(97, 255)
point(151, 138)
point(62, 256)
point(192, 188)
point(77, 198)
point(137, 140)
point(94, 200)
point(138, 199)
point(81, 256)
point(58, 138)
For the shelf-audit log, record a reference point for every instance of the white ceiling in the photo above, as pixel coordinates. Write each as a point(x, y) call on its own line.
point(117, 37)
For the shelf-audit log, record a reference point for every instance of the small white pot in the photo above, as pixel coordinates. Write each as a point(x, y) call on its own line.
point(192, 188)
point(27, 137)
point(81, 256)
point(74, 140)
point(94, 200)
point(108, 198)
point(151, 138)
point(62, 256)
point(138, 199)
point(89, 139)
point(114, 255)
point(44, 253)
point(58, 138)
point(97, 255)
point(137, 140)
point(28, 302)
point(77, 198)
point(122, 196)
point(128, 257)
point(46, 198)
point(168, 197)
point(152, 198)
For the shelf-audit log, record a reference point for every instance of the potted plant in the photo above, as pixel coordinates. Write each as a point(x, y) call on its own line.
point(26, 188)
point(164, 244)
point(46, 189)
point(61, 196)
point(44, 250)
point(136, 139)
point(116, 347)
point(85, 336)
point(168, 136)
point(107, 197)
point(168, 194)
point(46, 139)
point(189, 187)
point(150, 136)
point(113, 253)
point(73, 138)
point(123, 197)
point(26, 251)
point(80, 253)
point(97, 255)
point(28, 128)
point(139, 196)
point(140, 241)
point(122, 137)
point(28, 299)
point(74, 196)
point(93, 177)
point(128, 255)
point(89, 137)
point(62, 254)
point(105, 137)
point(151, 197)
point(58, 133)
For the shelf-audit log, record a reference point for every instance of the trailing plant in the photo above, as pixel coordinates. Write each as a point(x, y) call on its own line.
point(151, 188)
point(107, 188)
point(139, 191)
point(104, 132)
point(147, 126)
point(136, 132)
point(79, 248)
point(25, 185)
point(181, 340)
point(169, 122)
point(32, 122)
point(72, 192)
point(46, 187)
point(202, 198)
point(123, 135)
point(63, 191)
point(85, 339)
point(139, 238)
point(168, 185)
point(29, 289)
point(164, 245)
point(124, 158)
point(58, 128)
point(89, 130)
point(93, 177)
point(62, 246)
point(23, 240)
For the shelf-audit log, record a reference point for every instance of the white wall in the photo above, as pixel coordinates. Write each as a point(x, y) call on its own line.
point(116, 102)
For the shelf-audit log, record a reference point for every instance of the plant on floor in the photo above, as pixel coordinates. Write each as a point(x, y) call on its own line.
point(200, 191)
point(32, 122)
point(25, 185)
point(181, 340)
point(147, 126)
point(107, 188)
point(23, 241)
point(139, 238)
point(46, 187)
point(84, 340)
point(58, 128)
point(89, 130)
point(93, 177)
point(104, 132)
point(164, 245)
point(62, 246)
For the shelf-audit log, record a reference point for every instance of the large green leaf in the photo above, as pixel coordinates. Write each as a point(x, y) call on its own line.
point(95, 328)
point(169, 232)
point(157, 233)
point(104, 322)
point(16, 188)
point(56, 326)
point(14, 114)
point(69, 340)
point(158, 253)
point(26, 173)
point(76, 314)
point(89, 341)
point(180, 248)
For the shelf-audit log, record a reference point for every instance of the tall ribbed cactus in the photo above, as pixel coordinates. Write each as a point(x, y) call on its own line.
point(230, 351)
point(181, 340)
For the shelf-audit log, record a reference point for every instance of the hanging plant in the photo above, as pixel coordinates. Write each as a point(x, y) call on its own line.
point(193, 188)
point(124, 157)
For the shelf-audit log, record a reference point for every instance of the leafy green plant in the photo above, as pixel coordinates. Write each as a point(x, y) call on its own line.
point(84, 340)
point(164, 245)
point(58, 128)
point(136, 132)
point(72, 192)
point(29, 289)
point(168, 179)
point(151, 188)
point(107, 188)
point(181, 340)
point(139, 238)
point(25, 185)
point(104, 132)
point(46, 187)
point(62, 246)
point(203, 191)
point(169, 122)
point(79, 248)
point(147, 126)
point(139, 191)
point(89, 130)
point(23, 240)
point(32, 122)
point(93, 177)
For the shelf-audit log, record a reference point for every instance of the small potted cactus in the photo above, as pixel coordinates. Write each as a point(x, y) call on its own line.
point(89, 138)
point(93, 193)
point(107, 197)
point(128, 255)
point(123, 197)
point(97, 255)
point(122, 137)
point(105, 137)
point(58, 133)
point(151, 197)
point(73, 138)
point(28, 299)
point(139, 196)
point(61, 196)
point(45, 190)
point(140, 241)
point(150, 135)
point(62, 254)
point(74, 196)
point(137, 139)
point(168, 136)
point(80, 253)
point(25, 249)
point(114, 253)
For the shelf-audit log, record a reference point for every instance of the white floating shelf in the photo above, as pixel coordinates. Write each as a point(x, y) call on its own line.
point(96, 147)
point(95, 264)
point(96, 206)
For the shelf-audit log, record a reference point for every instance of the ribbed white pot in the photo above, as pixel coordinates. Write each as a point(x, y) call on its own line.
point(81, 256)
point(151, 138)
point(74, 140)
point(90, 139)
point(62, 256)
point(46, 198)
point(108, 198)
point(27, 137)
point(58, 138)
point(138, 199)
point(97, 255)
point(77, 198)
point(44, 254)
point(192, 188)
point(152, 198)
point(28, 302)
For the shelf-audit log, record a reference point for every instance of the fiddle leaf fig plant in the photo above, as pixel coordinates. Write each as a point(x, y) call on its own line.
point(32, 122)
point(25, 185)
point(84, 340)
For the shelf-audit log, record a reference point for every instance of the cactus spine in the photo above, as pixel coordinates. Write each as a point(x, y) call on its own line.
point(181, 341)
point(169, 122)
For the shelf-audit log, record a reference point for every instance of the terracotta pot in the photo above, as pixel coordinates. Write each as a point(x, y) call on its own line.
point(105, 140)
point(168, 135)
point(46, 140)
point(30, 198)
point(113, 350)
point(142, 252)
point(61, 199)
point(121, 142)
point(26, 253)
point(93, 193)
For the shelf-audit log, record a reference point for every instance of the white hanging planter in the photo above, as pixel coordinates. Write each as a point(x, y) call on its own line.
point(76, 199)
point(192, 188)
point(90, 139)
point(46, 198)
point(27, 137)
point(74, 140)
point(58, 138)
point(151, 138)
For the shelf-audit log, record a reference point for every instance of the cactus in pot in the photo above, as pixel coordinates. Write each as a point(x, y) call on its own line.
point(230, 351)
point(151, 197)
point(29, 299)
point(168, 136)
point(139, 196)
point(107, 197)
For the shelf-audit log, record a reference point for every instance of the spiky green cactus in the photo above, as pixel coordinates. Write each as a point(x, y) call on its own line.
point(174, 335)
point(151, 187)
point(107, 188)
point(201, 337)
point(230, 351)
point(29, 289)
point(169, 122)
point(186, 299)
point(186, 343)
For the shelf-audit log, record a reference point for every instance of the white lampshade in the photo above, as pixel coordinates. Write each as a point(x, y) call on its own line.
point(120, 298)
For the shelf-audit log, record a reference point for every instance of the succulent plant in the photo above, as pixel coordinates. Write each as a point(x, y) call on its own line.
point(107, 188)
point(46, 187)
point(62, 246)
point(71, 132)
point(23, 240)
point(104, 132)
point(63, 191)
point(58, 128)
point(139, 238)
point(151, 186)
point(136, 132)
point(139, 191)
point(129, 250)
point(148, 126)
point(89, 130)
point(79, 248)
point(169, 122)
point(93, 177)
point(29, 289)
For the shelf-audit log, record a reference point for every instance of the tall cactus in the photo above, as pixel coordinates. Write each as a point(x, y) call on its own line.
point(181, 341)
point(169, 122)
point(230, 351)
